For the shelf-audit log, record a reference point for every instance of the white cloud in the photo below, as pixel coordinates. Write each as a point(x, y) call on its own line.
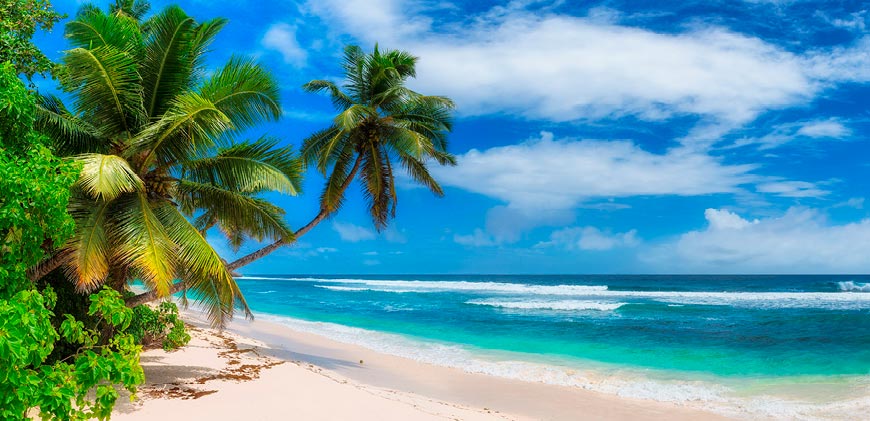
point(352, 233)
point(554, 67)
point(720, 219)
point(546, 174)
point(842, 64)
point(371, 262)
point(478, 239)
point(382, 20)
point(855, 202)
point(791, 189)
point(788, 132)
point(826, 128)
point(590, 238)
point(281, 37)
point(800, 241)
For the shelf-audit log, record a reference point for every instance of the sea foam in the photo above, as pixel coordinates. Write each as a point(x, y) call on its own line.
point(590, 376)
point(850, 298)
point(561, 305)
point(854, 286)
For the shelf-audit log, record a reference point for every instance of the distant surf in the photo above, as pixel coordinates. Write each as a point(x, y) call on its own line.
point(854, 286)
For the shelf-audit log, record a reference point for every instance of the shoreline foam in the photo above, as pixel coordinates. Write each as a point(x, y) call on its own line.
point(623, 383)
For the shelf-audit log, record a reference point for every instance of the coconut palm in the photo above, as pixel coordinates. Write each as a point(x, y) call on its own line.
point(380, 124)
point(155, 138)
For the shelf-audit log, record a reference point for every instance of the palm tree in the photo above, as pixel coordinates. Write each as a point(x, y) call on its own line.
point(379, 121)
point(155, 138)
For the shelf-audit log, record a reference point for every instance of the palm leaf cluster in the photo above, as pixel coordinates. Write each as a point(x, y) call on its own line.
point(381, 125)
point(380, 121)
point(154, 132)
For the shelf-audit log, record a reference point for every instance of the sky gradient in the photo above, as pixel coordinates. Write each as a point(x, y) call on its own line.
point(600, 137)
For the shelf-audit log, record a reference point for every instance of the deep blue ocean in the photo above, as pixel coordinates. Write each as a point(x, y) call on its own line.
point(664, 336)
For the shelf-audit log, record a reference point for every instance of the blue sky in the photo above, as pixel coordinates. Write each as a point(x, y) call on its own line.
point(592, 137)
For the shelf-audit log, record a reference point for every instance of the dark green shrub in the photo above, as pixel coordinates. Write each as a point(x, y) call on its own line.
point(161, 324)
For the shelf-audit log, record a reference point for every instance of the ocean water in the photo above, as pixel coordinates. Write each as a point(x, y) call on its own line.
point(784, 346)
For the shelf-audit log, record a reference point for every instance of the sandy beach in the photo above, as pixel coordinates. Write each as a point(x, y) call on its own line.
point(258, 370)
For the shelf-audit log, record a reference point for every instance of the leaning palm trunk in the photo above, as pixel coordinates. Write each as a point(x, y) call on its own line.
point(324, 213)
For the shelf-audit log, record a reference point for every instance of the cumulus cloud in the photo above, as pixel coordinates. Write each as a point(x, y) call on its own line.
point(352, 233)
point(590, 238)
point(545, 174)
point(556, 67)
point(281, 37)
point(800, 241)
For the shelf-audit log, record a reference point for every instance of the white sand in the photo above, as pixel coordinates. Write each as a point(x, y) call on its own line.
point(264, 371)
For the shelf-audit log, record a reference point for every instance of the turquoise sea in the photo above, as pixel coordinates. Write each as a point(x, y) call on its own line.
point(780, 345)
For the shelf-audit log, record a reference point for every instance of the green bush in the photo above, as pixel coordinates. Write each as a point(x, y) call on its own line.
point(162, 325)
point(34, 194)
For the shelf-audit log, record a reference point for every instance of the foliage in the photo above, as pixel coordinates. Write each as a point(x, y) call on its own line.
point(19, 20)
point(159, 324)
point(34, 187)
point(69, 302)
point(34, 191)
point(156, 139)
point(380, 121)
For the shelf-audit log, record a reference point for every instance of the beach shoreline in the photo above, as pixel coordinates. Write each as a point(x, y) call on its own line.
point(265, 370)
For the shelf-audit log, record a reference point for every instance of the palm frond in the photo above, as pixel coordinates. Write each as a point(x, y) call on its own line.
point(135, 9)
point(92, 29)
point(339, 99)
point(350, 119)
point(166, 68)
point(317, 148)
point(420, 173)
point(143, 243)
point(376, 185)
point(105, 177)
point(190, 124)
point(203, 36)
point(245, 92)
point(106, 81)
point(249, 167)
point(408, 142)
point(88, 264)
point(236, 211)
point(70, 135)
point(333, 193)
point(204, 271)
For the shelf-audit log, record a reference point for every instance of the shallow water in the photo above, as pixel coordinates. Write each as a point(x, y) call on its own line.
point(803, 339)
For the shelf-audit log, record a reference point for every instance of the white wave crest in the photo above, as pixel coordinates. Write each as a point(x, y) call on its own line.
point(447, 286)
point(852, 299)
point(854, 286)
point(562, 305)
point(356, 289)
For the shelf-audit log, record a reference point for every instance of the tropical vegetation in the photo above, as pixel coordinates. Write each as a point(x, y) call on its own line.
point(19, 20)
point(156, 137)
point(121, 183)
point(381, 125)
point(34, 194)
